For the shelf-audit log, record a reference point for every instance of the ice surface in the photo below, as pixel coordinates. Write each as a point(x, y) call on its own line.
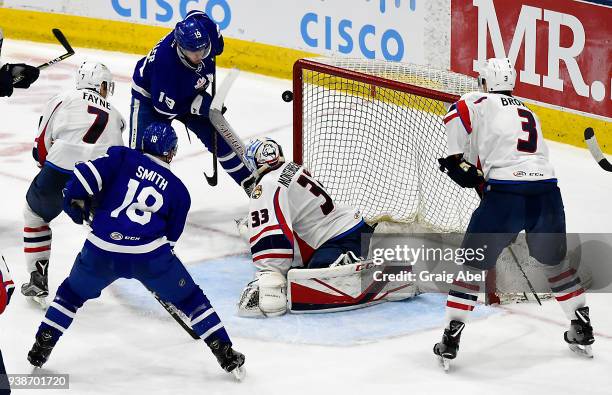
point(122, 343)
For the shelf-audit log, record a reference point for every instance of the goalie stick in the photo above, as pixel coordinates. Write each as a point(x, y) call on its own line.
point(69, 52)
point(589, 138)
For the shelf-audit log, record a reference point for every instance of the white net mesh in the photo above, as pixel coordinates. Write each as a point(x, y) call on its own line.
point(376, 147)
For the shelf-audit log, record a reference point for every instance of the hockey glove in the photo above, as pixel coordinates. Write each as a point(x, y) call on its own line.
point(77, 210)
point(6, 82)
point(7, 281)
point(201, 104)
point(29, 74)
point(463, 173)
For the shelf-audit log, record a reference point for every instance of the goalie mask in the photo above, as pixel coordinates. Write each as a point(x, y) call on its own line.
point(91, 75)
point(499, 75)
point(263, 152)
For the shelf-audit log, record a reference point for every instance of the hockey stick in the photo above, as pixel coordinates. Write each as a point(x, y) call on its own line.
point(516, 261)
point(212, 180)
point(173, 311)
point(531, 288)
point(69, 52)
point(218, 120)
point(1, 40)
point(589, 137)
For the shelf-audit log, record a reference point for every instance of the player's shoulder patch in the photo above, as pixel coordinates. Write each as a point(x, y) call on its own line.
point(257, 192)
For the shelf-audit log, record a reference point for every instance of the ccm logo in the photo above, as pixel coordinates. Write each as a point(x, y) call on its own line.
point(364, 266)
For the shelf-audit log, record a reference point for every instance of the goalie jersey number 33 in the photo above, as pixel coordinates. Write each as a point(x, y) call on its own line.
point(291, 215)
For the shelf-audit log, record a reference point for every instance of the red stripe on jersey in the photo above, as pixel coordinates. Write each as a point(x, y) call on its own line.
point(450, 117)
point(563, 275)
point(306, 250)
point(480, 100)
point(266, 229)
point(570, 295)
point(40, 141)
point(3, 297)
point(471, 287)
point(281, 218)
point(37, 249)
point(39, 229)
point(272, 255)
point(464, 115)
point(459, 306)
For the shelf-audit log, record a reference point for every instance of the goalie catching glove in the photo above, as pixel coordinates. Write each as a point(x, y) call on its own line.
point(462, 172)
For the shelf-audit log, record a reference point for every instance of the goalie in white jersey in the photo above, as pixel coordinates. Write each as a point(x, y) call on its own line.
point(495, 143)
point(293, 222)
point(76, 126)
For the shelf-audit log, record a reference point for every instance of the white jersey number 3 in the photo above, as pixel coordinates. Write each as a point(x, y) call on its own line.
point(138, 211)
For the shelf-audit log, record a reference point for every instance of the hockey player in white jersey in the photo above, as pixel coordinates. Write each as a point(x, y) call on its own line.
point(293, 222)
point(76, 126)
point(508, 157)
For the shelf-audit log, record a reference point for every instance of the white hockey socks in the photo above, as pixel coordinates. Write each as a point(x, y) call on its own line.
point(36, 238)
point(566, 287)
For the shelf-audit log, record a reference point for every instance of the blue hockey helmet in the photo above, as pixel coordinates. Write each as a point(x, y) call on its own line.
point(191, 35)
point(160, 139)
point(263, 151)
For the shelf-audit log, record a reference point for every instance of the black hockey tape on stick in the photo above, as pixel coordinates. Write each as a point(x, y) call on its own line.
point(591, 141)
point(69, 52)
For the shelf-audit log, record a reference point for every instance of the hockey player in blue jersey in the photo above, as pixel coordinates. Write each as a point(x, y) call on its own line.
point(141, 209)
point(171, 81)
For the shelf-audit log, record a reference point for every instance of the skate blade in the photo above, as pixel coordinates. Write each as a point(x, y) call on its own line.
point(583, 351)
point(239, 373)
point(40, 301)
point(444, 363)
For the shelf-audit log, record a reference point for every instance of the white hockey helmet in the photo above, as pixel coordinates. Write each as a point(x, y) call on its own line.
point(263, 151)
point(91, 75)
point(498, 73)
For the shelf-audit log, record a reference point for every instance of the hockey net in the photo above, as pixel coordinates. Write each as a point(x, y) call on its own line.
point(371, 131)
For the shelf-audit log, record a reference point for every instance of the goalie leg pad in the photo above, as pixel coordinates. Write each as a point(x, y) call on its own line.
point(345, 286)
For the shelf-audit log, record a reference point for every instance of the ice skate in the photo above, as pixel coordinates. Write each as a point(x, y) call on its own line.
point(447, 349)
point(230, 360)
point(580, 335)
point(39, 354)
point(37, 289)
